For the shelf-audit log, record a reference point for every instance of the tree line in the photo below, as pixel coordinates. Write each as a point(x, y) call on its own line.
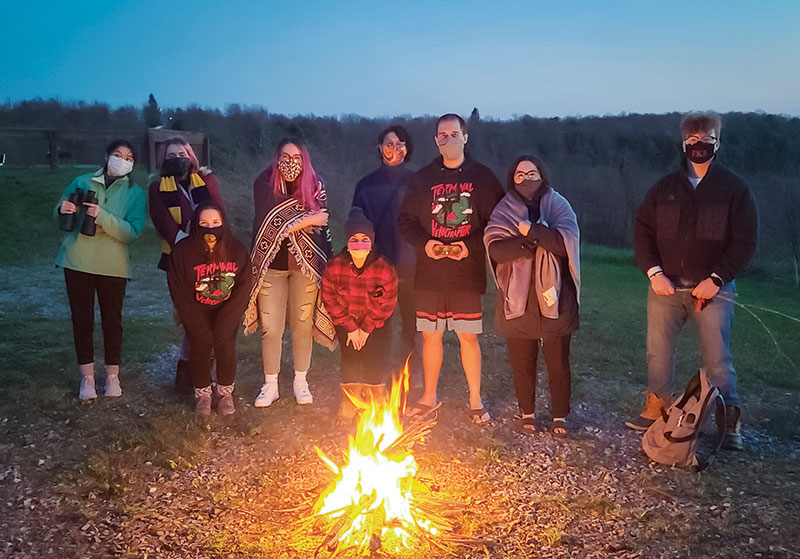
point(602, 164)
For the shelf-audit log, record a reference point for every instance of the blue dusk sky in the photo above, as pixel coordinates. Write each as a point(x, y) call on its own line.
point(544, 58)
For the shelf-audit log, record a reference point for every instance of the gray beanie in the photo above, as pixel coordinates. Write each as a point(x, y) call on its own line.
point(357, 222)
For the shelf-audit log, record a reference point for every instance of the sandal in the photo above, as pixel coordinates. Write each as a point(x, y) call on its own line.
point(418, 410)
point(527, 425)
point(559, 427)
point(480, 416)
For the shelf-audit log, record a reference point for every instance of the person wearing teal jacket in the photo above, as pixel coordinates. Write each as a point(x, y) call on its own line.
point(94, 255)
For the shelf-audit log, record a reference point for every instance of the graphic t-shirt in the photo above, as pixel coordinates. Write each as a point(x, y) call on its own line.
point(450, 205)
point(451, 208)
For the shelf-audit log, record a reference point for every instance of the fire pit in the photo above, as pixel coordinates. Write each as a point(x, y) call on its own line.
point(375, 503)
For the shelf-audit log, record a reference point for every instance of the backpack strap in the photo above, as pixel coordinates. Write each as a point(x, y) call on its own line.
point(703, 464)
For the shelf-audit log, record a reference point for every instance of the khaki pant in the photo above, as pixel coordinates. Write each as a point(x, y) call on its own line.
point(282, 288)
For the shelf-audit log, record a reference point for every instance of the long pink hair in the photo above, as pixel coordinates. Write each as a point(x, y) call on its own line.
point(308, 180)
point(181, 141)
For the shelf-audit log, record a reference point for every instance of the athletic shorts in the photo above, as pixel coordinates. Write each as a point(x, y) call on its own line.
point(440, 311)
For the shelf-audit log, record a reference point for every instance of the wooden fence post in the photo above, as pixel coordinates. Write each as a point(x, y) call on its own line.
point(52, 141)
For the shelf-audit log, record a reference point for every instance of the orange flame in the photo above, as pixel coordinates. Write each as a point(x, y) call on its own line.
point(375, 486)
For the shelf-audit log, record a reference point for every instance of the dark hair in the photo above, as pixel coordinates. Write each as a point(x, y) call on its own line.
point(112, 147)
point(453, 116)
point(402, 134)
point(694, 122)
point(539, 165)
point(219, 249)
point(120, 143)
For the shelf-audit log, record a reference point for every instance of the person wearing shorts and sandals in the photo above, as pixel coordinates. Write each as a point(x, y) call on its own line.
point(443, 215)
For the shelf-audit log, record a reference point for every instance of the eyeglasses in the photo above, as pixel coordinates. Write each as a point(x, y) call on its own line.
point(519, 176)
point(705, 139)
point(286, 158)
point(399, 146)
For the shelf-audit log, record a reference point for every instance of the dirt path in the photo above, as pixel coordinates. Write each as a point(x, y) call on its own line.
point(216, 491)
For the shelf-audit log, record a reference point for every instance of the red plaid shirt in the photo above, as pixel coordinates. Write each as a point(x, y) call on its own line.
point(359, 298)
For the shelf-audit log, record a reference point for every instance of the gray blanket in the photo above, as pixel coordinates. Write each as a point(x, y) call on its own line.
point(514, 278)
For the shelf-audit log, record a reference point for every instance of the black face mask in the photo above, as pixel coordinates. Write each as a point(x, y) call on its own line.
point(210, 234)
point(699, 152)
point(528, 188)
point(176, 166)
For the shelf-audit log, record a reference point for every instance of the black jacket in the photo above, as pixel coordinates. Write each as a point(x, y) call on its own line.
point(450, 205)
point(692, 232)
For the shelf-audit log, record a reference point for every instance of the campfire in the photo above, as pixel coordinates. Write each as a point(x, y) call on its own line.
point(375, 502)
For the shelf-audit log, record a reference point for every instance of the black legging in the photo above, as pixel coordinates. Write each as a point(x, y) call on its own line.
point(212, 329)
point(81, 287)
point(523, 353)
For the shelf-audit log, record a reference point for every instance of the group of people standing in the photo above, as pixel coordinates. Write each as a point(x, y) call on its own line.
point(418, 244)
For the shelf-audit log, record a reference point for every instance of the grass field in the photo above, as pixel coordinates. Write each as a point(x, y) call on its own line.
point(111, 448)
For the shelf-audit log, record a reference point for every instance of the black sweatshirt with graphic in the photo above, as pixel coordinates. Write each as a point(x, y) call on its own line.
point(449, 205)
point(692, 232)
point(200, 284)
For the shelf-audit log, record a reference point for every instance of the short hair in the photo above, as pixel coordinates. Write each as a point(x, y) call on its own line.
point(112, 147)
point(402, 134)
point(453, 116)
point(539, 165)
point(700, 121)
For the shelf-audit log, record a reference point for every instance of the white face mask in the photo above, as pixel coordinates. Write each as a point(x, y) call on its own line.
point(118, 167)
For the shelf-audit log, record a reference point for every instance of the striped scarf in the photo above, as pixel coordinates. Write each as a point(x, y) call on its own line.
point(168, 189)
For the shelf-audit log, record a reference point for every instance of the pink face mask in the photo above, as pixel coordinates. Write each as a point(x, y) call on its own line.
point(359, 246)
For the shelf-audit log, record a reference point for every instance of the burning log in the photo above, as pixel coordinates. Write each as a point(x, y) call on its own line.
point(371, 502)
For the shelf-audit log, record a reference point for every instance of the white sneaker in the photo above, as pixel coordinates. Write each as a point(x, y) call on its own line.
point(87, 389)
point(268, 394)
point(113, 389)
point(301, 392)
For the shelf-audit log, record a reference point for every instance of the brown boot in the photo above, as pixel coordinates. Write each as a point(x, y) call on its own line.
point(348, 409)
point(376, 392)
point(225, 404)
point(652, 411)
point(203, 397)
point(732, 425)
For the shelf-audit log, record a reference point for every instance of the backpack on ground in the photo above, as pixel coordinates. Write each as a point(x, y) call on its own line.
point(672, 439)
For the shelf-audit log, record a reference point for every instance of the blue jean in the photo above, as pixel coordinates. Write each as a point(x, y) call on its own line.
point(666, 315)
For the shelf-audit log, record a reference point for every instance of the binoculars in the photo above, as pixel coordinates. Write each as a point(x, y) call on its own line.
point(66, 222)
point(447, 250)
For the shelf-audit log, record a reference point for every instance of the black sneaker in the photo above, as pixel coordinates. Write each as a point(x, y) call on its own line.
point(640, 423)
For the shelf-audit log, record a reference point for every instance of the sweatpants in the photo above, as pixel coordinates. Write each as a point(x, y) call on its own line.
point(523, 353)
point(81, 289)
